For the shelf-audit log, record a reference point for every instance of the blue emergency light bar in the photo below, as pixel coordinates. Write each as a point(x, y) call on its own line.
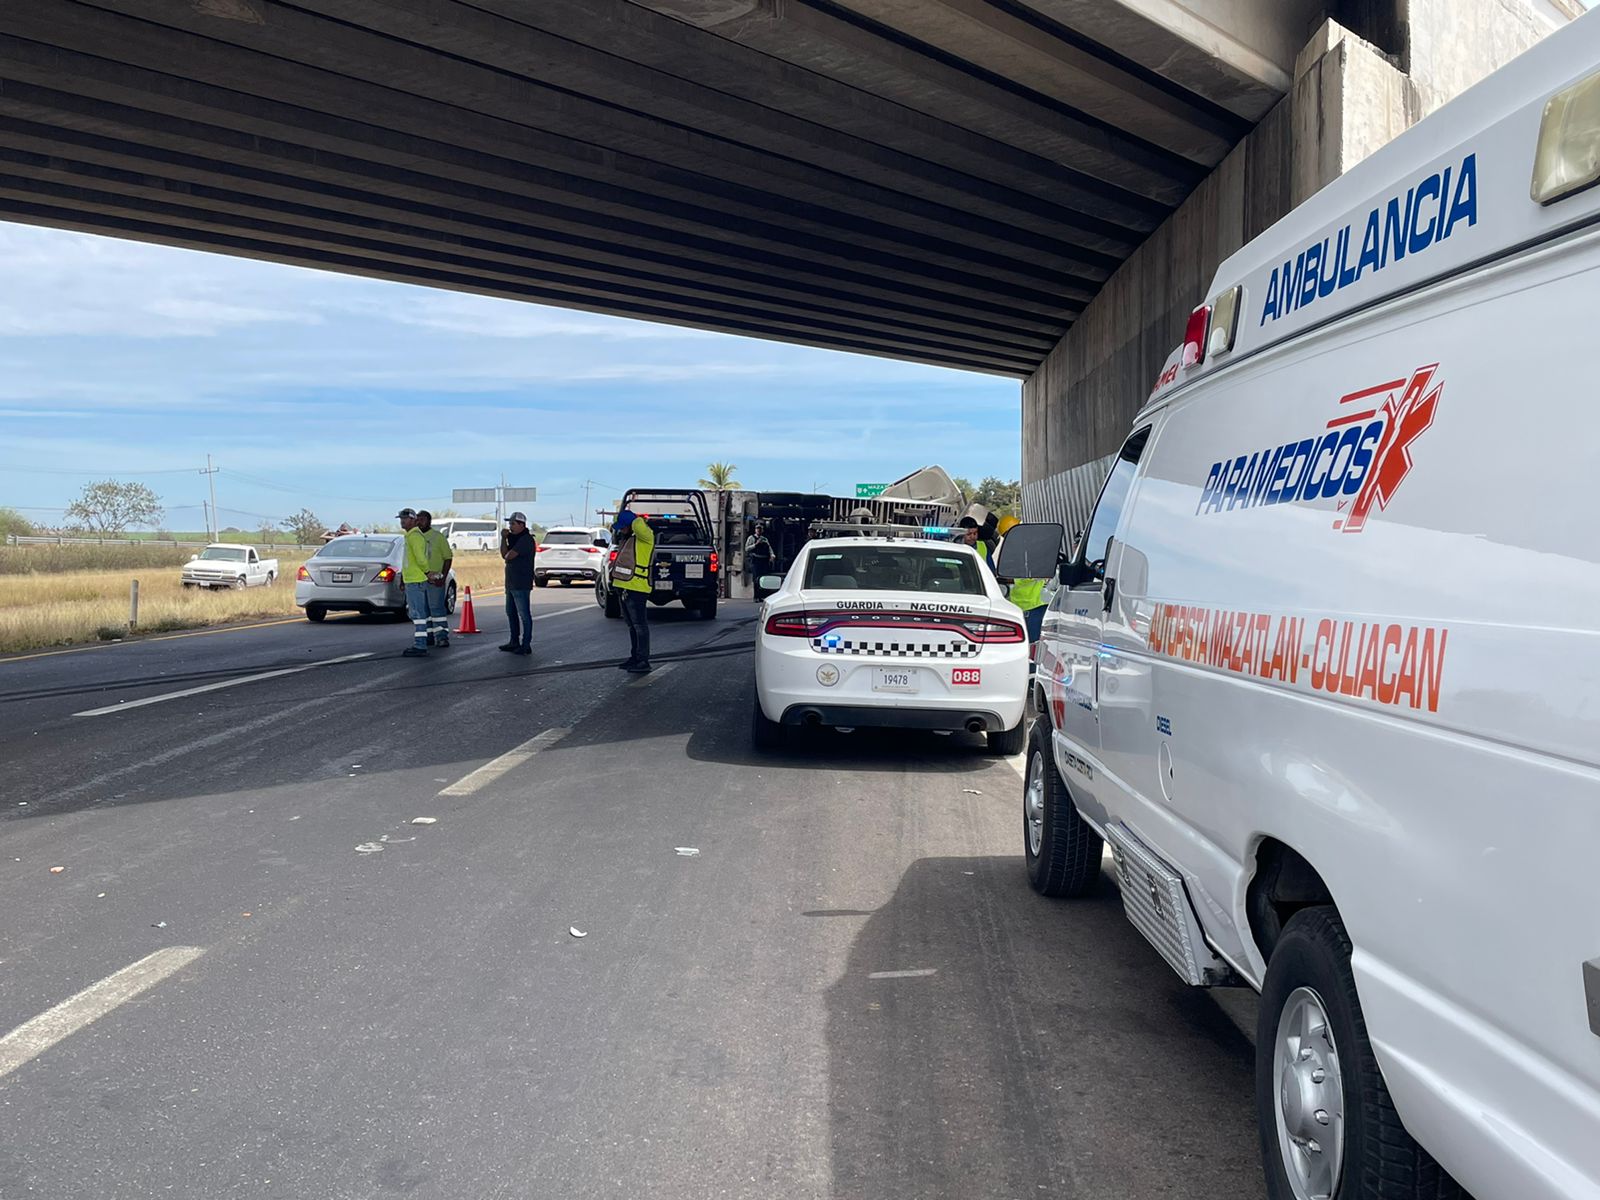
point(939, 530)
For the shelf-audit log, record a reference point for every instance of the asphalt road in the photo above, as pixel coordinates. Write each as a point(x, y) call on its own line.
point(848, 991)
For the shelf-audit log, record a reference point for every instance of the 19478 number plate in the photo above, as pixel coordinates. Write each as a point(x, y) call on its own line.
point(896, 679)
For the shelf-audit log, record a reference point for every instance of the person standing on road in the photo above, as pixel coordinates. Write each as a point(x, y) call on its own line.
point(517, 548)
point(440, 555)
point(630, 575)
point(757, 557)
point(415, 576)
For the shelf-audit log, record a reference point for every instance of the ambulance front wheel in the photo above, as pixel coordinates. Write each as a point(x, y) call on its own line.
point(1062, 849)
point(1327, 1124)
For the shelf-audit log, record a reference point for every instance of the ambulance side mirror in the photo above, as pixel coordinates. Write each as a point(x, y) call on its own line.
point(1030, 551)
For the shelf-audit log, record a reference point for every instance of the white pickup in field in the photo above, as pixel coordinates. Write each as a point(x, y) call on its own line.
point(229, 565)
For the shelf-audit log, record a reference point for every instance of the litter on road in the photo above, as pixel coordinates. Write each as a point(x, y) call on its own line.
point(57, 870)
point(424, 820)
point(158, 925)
point(972, 791)
point(687, 851)
point(576, 932)
point(369, 848)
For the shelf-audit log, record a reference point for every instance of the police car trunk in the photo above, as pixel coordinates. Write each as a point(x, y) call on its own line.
point(896, 633)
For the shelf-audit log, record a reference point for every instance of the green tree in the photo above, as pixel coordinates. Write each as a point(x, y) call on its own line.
point(14, 524)
point(110, 506)
point(720, 478)
point(998, 496)
point(964, 486)
point(306, 526)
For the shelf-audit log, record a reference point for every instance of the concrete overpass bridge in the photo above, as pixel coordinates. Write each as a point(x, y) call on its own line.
point(1034, 188)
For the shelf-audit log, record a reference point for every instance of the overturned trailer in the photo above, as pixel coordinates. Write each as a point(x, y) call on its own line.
point(926, 497)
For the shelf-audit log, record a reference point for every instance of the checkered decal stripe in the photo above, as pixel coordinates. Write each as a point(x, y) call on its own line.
point(960, 648)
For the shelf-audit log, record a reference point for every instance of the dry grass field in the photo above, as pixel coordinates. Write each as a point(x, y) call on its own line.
point(42, 604)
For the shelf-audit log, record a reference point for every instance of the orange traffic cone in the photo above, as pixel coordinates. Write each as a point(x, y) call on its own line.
point(469, 622)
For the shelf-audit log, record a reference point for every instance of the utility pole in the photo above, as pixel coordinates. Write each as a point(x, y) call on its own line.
point(211, 477)
point(587, 515)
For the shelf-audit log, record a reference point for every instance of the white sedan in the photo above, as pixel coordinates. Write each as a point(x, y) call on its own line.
point(890, 631)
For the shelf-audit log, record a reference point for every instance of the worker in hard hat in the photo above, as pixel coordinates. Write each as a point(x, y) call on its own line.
point(1026, 594)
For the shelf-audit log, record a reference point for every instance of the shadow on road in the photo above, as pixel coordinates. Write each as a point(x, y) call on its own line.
point(1046, 1038)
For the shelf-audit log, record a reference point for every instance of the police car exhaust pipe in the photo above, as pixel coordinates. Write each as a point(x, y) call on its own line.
point(974, 724)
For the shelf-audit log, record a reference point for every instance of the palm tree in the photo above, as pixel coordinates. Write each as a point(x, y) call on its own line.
point(721, 478)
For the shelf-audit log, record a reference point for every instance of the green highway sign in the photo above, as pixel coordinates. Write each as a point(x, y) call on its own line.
point(866, 491)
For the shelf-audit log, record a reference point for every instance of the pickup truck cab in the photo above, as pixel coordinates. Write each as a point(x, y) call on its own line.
point(1325, 669)
point(685, 565)
point(229, 565)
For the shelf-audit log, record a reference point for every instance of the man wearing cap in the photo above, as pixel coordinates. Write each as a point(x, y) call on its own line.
point(415, 577)
point(517, 548)
point(970, 531)
point(630, 575)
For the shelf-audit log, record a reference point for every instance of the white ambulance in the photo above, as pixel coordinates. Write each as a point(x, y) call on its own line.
point(1325, 669)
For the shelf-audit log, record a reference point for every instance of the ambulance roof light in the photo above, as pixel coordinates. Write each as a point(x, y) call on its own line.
point(1194, 337)
point(1567, 158)
point(1224, 321)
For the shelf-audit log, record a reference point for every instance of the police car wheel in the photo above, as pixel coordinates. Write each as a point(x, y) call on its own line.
point(765, 733)
point(1009, 741)
point(1327, 1124)
point(1062, 850)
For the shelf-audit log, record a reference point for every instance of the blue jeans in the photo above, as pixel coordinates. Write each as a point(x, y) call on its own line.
point(1033, 618)
point(633, 614)
point(518, 612)
point(426, 606)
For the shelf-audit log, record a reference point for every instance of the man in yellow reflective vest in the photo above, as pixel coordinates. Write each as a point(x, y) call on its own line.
point(630, 576)
point(1026, 594)
point(417, 575)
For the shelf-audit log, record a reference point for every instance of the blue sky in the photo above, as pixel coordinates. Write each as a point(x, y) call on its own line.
point(353, 396)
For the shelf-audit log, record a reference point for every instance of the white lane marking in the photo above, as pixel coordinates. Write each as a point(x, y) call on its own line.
point(509, 761)
point(917, 974)
point(215, 687)
point(561, 612)
point(655, 674)
point(32, 1038)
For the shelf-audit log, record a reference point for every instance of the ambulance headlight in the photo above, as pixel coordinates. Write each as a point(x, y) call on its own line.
point(1567, 159)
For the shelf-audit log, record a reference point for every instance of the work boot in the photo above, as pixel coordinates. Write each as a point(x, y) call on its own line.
point(430, 639)
point(524, 650)
point(639, 669)
point(627, 664)
point(442, 642)
point(414, 652)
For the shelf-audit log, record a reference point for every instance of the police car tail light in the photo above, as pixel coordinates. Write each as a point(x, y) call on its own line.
point(1194, 336)
point(303, 574)
point(994, 631)
point(714, 562)
point(383, 576)
point(1567, 158)
point(1224, 321)
point(795, 624)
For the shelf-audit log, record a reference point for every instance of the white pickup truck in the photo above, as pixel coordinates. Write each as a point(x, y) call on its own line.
point(229, 565)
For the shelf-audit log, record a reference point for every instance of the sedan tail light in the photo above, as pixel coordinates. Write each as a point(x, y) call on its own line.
point(995, 631)
point(384, 576)
point(302, 574)
point(795, 624)
point(591, 549)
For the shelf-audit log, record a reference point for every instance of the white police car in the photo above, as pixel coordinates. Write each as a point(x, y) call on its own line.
point(885, 626)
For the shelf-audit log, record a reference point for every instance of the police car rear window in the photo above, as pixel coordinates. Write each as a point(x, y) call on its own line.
point(892, 569)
